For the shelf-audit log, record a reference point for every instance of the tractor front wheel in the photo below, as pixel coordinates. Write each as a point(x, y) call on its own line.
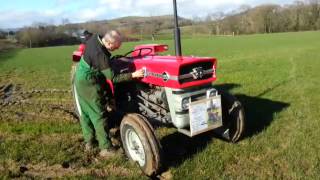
point(233, 118)
point(140, 143)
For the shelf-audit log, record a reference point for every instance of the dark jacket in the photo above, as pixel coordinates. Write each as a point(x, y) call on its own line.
point(98, 58)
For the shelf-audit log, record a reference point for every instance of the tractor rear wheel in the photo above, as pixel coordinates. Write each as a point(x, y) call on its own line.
point(140, 143)
point(233, 118)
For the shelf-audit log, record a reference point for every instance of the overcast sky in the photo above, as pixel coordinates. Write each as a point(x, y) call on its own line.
point(19, 13)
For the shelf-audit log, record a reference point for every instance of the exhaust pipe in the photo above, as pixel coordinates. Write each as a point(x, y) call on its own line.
point(177, 38)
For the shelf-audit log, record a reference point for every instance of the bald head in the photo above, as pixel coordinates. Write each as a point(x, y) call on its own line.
point(112, 36)
point(112, 40)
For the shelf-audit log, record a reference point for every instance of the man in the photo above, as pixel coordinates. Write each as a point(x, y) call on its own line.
point(93, 65)
point(86, 36)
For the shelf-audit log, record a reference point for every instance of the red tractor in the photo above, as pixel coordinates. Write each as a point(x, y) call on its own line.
point(176, 90)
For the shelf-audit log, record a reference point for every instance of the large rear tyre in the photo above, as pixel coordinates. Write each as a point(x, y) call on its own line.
point(76, 104)
point(233, 118)
point(140, 143)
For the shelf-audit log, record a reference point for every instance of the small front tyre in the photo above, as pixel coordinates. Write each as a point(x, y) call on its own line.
point(140, 143)
point(233, 118)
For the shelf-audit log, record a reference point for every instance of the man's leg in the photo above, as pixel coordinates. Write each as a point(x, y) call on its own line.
point(85, 122)
point(98, 119)
point(82, 89)
point(89, 92)
point(93, 107)
point(96, 114)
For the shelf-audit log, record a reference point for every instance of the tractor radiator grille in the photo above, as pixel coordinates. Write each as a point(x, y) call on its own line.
point(197, 71)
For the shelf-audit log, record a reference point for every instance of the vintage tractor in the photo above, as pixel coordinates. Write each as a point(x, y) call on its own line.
point(176, 90)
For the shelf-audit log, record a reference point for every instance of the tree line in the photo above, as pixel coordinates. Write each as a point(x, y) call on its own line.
point(267, 18)
point(40, 35)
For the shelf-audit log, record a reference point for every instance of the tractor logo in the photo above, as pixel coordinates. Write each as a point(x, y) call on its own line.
point(197, 73)
point(165, 76)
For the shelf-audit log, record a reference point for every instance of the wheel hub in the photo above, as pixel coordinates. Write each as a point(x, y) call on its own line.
point(135, 147)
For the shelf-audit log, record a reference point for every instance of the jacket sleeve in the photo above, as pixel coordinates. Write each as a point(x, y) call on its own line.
point(116, 78)
point(102, 61)
point(122, 77)
point(109, 73)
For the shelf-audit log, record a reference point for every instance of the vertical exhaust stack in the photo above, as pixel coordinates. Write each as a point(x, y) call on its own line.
point(177, 38)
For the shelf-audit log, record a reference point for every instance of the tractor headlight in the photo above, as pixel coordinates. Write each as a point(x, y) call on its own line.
point(212, 93)
point(185, 103)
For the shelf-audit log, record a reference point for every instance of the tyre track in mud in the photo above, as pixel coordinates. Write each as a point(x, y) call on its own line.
point(15, 102)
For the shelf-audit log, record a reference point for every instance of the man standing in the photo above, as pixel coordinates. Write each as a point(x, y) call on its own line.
point(93, 65)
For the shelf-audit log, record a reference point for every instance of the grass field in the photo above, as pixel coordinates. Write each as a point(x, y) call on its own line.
point(276, 77)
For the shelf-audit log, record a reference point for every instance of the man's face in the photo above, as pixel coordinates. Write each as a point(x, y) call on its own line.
point(113, 45)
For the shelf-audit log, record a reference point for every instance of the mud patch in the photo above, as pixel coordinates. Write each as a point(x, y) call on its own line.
point(58, 171)
point(43, 139)
point(19, 104)
point(14, 169)
point(6, 92)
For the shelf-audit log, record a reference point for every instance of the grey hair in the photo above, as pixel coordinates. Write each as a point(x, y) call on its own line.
point(112, 36)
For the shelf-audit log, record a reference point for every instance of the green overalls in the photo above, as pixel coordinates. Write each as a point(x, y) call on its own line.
point(90, 96)
point(92, 119)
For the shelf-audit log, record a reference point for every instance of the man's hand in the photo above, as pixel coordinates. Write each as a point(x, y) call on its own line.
point(138, 73)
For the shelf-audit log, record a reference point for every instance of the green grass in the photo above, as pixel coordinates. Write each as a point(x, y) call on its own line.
point(275, 76)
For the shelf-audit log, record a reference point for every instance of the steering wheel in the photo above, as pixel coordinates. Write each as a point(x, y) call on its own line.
point(140, 51)
point(126, 55)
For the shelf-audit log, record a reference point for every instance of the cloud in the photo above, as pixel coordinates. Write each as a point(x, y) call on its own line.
point(90, 14)
point(85, 10)
point(135, 7)
point(13, 19)
point(186, 8)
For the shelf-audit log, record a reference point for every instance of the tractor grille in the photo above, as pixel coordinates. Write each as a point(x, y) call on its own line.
point(194, 72)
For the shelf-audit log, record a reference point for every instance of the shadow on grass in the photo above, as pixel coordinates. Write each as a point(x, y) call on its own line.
point(259, 115)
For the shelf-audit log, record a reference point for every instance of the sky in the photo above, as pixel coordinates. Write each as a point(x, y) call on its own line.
point(20, 13)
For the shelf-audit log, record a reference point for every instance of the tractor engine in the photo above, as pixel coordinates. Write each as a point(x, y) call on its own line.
point(169, 105)
point(171, 84)
point(152, 102)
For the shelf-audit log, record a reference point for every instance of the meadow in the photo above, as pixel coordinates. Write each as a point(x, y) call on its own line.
point(275, 76)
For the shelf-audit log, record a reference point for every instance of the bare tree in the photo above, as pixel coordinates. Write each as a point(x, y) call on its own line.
point(213, 22)
point(314, 13)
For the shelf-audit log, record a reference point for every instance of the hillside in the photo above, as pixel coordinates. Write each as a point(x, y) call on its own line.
point(133, 23)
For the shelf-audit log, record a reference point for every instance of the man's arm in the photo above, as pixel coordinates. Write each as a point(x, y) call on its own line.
point(122, 77)
point(117, 78)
